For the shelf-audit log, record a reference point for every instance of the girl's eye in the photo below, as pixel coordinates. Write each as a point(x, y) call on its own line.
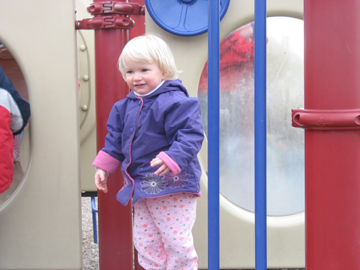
point(129, 72)
point(145, 69)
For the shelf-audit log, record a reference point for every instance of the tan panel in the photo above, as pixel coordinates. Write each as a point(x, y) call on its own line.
point(40, 227)
point(286, 248)
point(86, 64)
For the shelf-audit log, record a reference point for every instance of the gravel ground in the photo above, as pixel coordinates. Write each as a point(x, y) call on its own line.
point(90, 249)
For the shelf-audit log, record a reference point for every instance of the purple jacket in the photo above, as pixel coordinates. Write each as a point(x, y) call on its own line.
point(167, 124)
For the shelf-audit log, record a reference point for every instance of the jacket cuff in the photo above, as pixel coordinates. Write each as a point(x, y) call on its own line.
point(174, 168)
point(106, 162)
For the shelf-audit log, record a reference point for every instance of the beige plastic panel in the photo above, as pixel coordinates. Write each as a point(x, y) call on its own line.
point(86, 76)
point(40, 223)
point(286, 247)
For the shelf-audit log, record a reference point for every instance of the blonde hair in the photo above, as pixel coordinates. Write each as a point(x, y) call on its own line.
point(147, 48)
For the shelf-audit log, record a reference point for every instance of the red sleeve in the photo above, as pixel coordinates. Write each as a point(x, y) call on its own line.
point(6, 148)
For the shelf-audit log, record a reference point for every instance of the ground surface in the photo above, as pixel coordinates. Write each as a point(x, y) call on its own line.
point(90, 250)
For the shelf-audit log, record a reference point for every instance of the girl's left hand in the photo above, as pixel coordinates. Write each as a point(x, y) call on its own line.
point(164, 169)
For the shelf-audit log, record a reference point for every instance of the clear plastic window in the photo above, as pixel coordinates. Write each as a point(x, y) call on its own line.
point(285, 91)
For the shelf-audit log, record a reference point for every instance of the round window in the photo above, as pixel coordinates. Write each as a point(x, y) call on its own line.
point(15, 150)
point(285, 90)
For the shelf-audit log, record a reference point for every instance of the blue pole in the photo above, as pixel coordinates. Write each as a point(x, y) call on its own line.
point(260, 135)
point(213, 134)
point(94, 211)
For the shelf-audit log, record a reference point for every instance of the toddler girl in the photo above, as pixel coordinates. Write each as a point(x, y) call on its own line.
point(155, 134)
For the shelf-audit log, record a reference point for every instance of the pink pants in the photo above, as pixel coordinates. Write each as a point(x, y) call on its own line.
point(162, 232)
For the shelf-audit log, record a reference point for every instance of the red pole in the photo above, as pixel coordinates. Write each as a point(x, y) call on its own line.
point(332, 158)
point(139, 27)
point(115, 220)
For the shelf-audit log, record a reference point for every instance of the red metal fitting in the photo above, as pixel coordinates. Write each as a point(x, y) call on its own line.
point(107, 22)
point(326, 119)
point(116, 8)
point(103, 10)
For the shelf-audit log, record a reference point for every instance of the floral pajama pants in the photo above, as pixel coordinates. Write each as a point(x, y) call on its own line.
point(162, 232)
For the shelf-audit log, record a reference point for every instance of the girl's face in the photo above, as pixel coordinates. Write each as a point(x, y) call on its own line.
point(143, 77)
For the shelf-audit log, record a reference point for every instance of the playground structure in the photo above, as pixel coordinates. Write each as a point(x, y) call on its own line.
point(41, 219)
point(42, 212)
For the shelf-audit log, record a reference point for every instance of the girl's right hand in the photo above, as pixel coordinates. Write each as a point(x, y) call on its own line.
point(101, 180)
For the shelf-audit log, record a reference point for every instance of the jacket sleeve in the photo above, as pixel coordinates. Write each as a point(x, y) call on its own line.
point(6, 150)
point(110, 156)
point(20, 108)
point(106, 162)
point(8, 102)
point(185, 132)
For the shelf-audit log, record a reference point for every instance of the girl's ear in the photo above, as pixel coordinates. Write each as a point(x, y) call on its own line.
point(164, 75)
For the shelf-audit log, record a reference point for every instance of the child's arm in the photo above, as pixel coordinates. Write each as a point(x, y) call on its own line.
point(164, 169)
point(184, 130)
point(101, 180)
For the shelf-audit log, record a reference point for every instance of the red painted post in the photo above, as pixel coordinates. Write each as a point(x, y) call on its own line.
point(139, 27)
point(332, 148)
point(115, 220)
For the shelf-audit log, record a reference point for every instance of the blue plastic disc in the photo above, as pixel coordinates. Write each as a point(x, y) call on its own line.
point(183, 17)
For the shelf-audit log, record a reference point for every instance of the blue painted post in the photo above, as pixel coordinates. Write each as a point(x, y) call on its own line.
point(260, 135)
point(94, 211)
point(213, 133)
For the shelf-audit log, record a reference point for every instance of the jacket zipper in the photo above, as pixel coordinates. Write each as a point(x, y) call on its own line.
point(137, 119)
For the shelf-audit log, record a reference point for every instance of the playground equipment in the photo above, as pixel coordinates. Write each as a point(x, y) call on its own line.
point(330, 120)
point(50, 185)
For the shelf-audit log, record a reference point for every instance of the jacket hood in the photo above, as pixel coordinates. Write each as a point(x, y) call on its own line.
point(167, 86)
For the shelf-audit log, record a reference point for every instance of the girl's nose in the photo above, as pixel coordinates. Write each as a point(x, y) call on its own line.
point(137, 77)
